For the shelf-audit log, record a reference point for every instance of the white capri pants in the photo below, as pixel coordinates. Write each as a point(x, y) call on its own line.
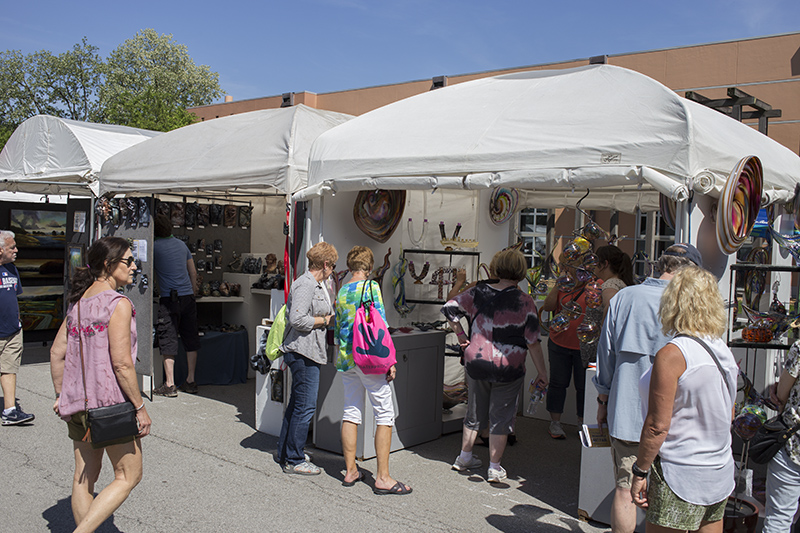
point(355, 383)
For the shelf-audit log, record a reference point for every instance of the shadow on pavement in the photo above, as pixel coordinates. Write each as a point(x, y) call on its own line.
point(529, 518)
point(59, 519)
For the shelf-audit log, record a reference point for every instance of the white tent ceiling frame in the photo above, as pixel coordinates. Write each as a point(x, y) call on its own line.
point(552, 135)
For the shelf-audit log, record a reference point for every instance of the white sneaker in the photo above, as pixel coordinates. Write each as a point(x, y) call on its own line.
point(497, 475)
point(556, 431)
point(472, 464)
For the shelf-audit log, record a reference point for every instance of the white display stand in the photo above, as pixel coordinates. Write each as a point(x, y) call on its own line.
point(254, 307)
point(596, 491)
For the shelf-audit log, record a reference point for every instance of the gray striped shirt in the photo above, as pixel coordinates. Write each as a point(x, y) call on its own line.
point(307, 299)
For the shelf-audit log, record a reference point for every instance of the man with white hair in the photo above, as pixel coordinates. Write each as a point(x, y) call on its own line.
point(10, 331)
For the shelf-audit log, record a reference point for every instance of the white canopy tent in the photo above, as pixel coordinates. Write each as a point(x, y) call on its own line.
point(51, 155)
point(245, 153)
point(552, 134)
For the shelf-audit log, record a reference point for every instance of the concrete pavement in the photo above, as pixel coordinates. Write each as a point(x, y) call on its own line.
point(206, 469)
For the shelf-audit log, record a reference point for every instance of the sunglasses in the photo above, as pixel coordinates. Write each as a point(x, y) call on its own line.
point(128, 260)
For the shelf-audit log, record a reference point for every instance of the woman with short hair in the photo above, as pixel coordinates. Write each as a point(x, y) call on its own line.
point(504, 329)
point(688, 398)
point(309, 311)
point(92, 358)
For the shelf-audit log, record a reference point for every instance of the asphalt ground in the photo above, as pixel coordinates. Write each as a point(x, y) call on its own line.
point(206, 469)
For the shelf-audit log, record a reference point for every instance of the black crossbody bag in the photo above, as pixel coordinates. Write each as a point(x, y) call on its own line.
point(110, 422)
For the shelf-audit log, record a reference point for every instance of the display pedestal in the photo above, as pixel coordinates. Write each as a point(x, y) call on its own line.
point(597, 486)
point(269, 412)
point(416, 392)
point(254, 307)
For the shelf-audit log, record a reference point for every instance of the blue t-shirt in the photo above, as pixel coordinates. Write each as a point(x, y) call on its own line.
point(10, 288)
point(169, 261)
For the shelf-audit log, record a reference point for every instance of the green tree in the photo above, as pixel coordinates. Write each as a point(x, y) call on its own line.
point(150, 80)
point(63, 85)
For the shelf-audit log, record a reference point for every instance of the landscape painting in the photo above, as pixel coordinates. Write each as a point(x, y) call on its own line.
point(40, 268)
point(36, 228)
point(41, 307)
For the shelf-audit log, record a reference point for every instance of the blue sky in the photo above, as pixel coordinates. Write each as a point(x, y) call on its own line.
point(268, 48)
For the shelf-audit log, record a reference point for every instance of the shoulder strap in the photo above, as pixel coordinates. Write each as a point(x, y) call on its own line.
point(87, 436)
point(711, 353)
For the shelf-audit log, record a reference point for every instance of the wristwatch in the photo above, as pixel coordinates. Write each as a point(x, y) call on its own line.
point(638, 472)
point(601, 402)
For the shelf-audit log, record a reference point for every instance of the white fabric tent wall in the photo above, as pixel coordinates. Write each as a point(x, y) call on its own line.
point(51, 155)
point(552, 134)
point(249, 152)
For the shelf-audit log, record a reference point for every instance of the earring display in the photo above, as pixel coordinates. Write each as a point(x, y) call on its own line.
point(116, 216)
point(218, 261)
point(123, 210)
point(217, 245)
point(191, 215)
point(245, 216)
point(201, 264)
point(209, 266)
point(418, 278)
point(229, 216)
point(144, 213)
point(201, 245)
point(417, 242)
point(162, 208)
point(202, 215)
point(177, 214)
point(215, 214)
point(209, 249)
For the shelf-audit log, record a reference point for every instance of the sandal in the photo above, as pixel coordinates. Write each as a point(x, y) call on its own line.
point(358, 478)
point(398, 488)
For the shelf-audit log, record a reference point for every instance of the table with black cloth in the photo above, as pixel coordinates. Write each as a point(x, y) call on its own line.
point(222, 359)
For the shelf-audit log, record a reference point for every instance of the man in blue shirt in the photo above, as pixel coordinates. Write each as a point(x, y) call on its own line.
point(177, 308)
point(10, 331)
point(628, 343)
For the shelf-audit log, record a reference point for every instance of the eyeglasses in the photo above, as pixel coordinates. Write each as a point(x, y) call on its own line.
point(128, 260)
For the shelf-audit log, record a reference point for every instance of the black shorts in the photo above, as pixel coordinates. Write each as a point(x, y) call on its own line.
point(177, 318)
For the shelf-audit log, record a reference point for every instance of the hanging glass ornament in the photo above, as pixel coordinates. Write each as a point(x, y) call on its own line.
point(588, 332)
point(541, 288)
point(566, 282)
point(572, 310)
point(593, 231)
point(593, 299)
point(559, 323)
point(589, 261)
point(582, 275)
point(756, 410)
point(746, 424)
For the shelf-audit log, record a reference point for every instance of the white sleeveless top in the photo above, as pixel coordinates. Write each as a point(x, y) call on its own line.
point(696, 456)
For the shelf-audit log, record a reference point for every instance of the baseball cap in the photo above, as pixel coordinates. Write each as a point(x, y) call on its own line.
point(685, 250)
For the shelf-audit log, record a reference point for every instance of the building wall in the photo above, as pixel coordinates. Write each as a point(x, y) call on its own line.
point(766, 67)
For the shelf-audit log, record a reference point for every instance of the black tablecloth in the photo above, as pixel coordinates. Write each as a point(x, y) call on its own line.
point(221, 360)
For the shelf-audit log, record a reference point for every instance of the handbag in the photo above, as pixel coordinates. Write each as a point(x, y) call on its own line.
point(373, 349)
point(110, 422)
point(769, 439)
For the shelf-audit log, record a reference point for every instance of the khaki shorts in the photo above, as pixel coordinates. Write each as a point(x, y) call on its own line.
point(624, 454)
point(11, 353)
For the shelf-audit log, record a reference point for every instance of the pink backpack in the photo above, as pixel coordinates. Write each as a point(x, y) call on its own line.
point(373, 349)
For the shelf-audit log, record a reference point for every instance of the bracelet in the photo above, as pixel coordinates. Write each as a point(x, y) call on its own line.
point(140, 407)
point(638, 472)
point(58, 395)
point(601, 402)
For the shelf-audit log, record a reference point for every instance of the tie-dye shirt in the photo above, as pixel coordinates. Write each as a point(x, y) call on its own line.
point(500, 335)
point(347, 302)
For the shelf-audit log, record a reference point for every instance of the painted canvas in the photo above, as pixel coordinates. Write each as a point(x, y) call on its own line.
point(36, 228)
point(41, 307)
point(40, 268)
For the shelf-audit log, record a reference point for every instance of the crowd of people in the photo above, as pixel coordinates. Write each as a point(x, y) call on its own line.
point(666, 380)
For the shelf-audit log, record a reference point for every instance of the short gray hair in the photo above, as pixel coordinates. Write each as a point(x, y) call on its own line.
point(4, 236)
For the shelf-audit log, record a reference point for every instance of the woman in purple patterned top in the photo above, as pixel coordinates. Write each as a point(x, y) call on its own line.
point(504, 329)
point(102, 321)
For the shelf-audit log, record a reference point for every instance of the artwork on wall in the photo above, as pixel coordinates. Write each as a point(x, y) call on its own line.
point(377, 213)
point(36, 228)
point(75, 253)
point(40, 268)
point(41, 307)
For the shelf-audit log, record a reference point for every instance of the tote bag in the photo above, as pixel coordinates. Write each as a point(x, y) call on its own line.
point(373, 349)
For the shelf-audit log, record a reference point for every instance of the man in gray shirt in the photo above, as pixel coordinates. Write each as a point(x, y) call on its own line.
point(629, 340)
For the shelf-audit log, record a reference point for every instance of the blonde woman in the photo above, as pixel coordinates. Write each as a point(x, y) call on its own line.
point(688, 396)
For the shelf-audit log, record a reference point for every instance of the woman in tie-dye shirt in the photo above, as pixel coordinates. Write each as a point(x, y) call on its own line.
point(357, 385)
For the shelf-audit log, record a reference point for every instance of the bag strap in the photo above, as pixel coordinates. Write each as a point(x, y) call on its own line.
point(87, 436)
point(711, 353)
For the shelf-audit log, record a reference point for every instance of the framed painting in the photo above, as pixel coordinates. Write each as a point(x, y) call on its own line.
point(38, 228)
point(41, 307)
point(75, 253)
point(40, 268)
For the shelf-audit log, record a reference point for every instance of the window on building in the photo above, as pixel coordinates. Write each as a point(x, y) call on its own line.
point(533, 230)
point(663, 236)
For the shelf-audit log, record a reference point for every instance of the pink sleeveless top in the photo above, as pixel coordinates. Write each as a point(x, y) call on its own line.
point(102, 387)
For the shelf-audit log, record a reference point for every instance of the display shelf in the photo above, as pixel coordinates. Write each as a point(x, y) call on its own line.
point(441, 252)
point(219, 299)
point(740, 343)
point(261, 291)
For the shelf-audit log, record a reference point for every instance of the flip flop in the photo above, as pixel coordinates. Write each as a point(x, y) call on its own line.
point(356, 480)
point(399, 488)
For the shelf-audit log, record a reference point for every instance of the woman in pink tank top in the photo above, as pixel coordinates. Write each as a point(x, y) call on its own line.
point(103, 321)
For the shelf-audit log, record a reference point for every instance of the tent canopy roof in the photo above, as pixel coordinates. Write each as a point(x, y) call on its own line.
point(248, 152)
point(552, 134)
point(52, 155)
